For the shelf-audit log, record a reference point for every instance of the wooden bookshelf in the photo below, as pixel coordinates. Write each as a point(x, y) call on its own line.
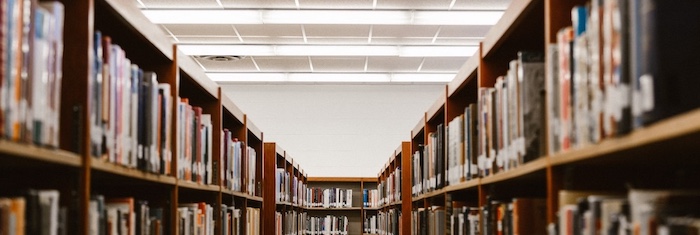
point(18, 153)
point(84, 175)
point(614, 164)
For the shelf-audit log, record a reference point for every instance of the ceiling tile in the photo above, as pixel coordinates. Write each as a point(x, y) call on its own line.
point(393, 64)
point(201, 30)
point(458, 41)
point(401, 41)
point(337, 30)
point(269, 30)
point(337, 40)
point(413, 4)
point(481, 4)
point(243, 65)
point(283, 64)
point(336, 4)
point(205, 40)
point(338, 64)
point(180, 4)
point(464, 31)
point(443, 64)
point(404, 31)
point(268, 4)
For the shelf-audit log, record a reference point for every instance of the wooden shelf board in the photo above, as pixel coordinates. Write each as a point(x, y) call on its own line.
point(196, 186)
point(429, 195)
point(465, 72)
point(237, 194)
point(231, 107)
point(337, 179)
point(674, 127)
point(420, 126)
point(113, 168)
point(334, 209)
point(434, 109)
point(498, 34)
point(255, 198)
point(470, 184)
point(372, 208)
point(530, 167)
point(134, 17)
point(194, 71)
point(34, 153)
point(253, 128)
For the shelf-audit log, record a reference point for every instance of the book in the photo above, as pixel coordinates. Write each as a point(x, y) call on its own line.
point(662, 45)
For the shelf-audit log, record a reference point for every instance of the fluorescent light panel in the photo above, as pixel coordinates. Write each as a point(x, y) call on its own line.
point(331, 77)
point(324, 50)
point(355, 17)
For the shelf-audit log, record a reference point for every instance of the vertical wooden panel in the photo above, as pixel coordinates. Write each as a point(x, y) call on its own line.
point(407, 175)
point(268, 192)
point(75, 110)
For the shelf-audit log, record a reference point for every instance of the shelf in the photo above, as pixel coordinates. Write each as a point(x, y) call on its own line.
point(666, 132)
point(435, 109)
point(512, 18)
point(228, 105)
point(252, 128)
point(371, 208)
point(334, 209)
point(429, 195)
point(239, 194)
point(196, 186)
point(128, 12)
point(195, 72)
point(255, 198)
point(12, 151)
point(133, 173)
point(338, 179)
point(463, 75)
point(470, 184)
point(527, 168)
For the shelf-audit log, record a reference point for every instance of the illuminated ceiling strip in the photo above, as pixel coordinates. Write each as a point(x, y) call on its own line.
point(326, 50)
point(354, 17)
point(331, 77)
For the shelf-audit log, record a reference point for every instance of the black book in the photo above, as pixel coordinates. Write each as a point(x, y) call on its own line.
point(664, 43)
point(440, 161)
point(532, 71)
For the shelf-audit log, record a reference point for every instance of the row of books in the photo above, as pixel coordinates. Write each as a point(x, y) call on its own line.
point(239, 164)
point(124, 216)
point(130, 112)
point(620, 66)
point(231, 220)
point(370, 198)
point(291, 223)
point(516, 216)
point(390, 188)
point(428, 221)
point(327, 225)
point(639, 211)
point(329, 197)
point(36, 212)
point(465, 221)
point(195, 219)
point(31, 71)
point(384, 223)
point(195, 140)
point(429, 163)
point(510, 123)
point(290, 188)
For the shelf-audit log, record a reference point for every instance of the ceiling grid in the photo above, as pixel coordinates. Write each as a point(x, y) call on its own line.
point(389, 37)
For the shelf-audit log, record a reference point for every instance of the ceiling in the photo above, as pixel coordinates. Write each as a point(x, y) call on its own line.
point(274, 48)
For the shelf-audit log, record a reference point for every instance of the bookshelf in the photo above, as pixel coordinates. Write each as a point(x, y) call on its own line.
point(613, 166)
point(395, 209)
point(356, 212)
point(284, 201)
point(84, 171)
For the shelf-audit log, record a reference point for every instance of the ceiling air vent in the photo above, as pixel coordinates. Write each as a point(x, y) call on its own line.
point(220, 58)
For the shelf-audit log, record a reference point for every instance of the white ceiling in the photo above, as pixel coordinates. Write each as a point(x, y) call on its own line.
point(329, 35)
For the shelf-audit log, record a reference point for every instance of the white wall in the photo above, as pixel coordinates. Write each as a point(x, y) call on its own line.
point(336, 130)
